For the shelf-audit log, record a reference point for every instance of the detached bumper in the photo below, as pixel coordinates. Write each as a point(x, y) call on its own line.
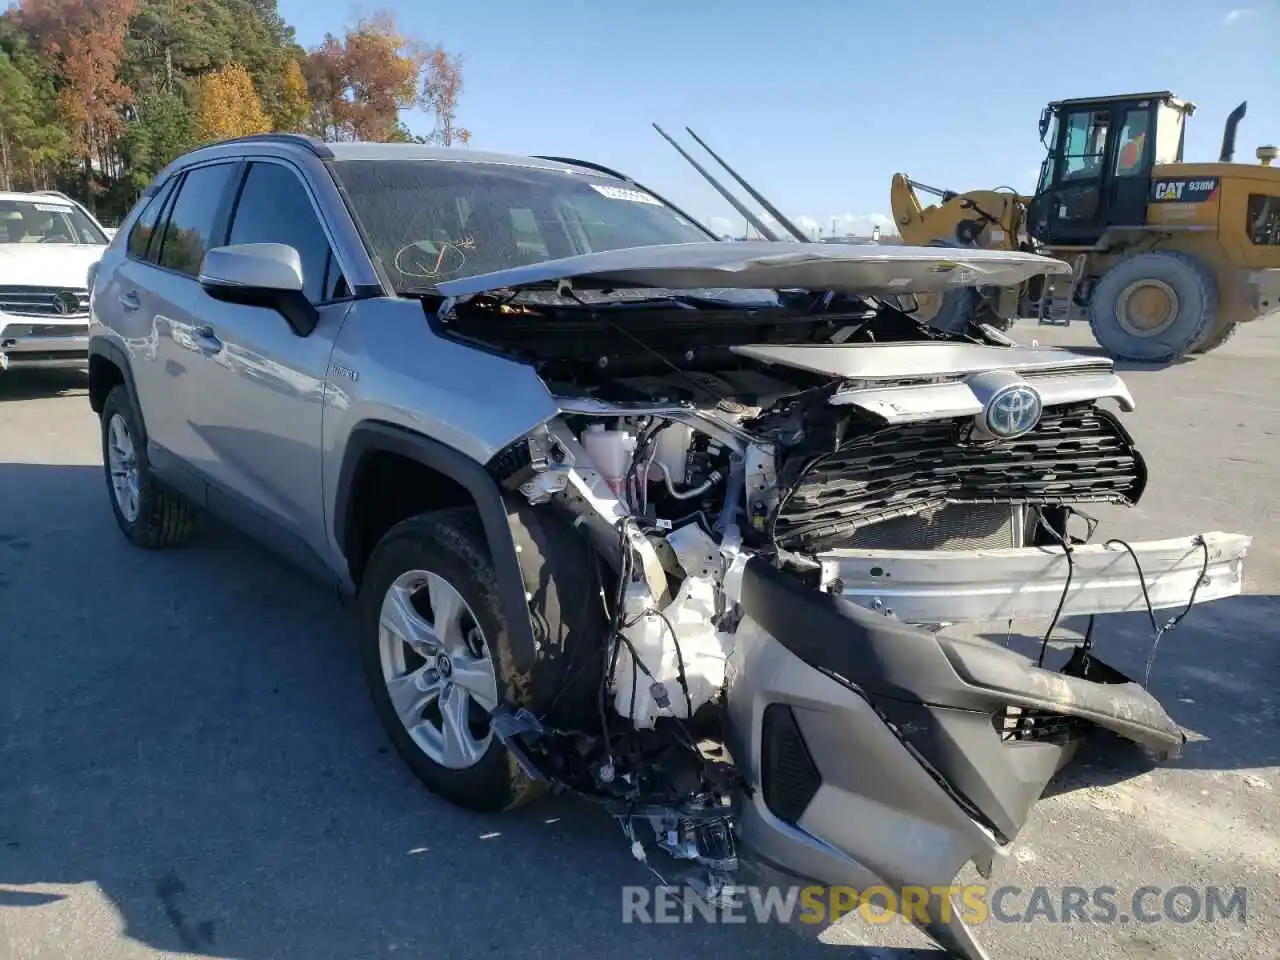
point(885, 754)
point(945, 586)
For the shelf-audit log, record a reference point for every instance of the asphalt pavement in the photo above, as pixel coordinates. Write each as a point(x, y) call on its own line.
point(190, 767)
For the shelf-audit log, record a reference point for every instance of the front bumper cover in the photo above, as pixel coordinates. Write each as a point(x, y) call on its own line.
point(44, 345)
point(880, 750)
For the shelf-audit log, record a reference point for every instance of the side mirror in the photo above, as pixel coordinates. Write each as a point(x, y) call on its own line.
point(260, 275)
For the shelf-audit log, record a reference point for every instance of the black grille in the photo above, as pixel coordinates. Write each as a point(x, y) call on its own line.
point(44, 301)
point(1075, 455)
point(788, 776)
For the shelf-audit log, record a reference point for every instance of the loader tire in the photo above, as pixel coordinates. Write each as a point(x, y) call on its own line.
point(1154, 307)
point(1218, 334)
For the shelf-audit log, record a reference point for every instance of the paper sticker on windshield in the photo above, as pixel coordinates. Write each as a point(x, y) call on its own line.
point(51, 207)
point(622, 193)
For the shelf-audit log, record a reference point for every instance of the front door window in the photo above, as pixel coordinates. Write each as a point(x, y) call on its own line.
point(1086, 145)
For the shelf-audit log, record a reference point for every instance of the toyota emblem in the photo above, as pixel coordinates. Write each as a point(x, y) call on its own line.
point(1013, 411)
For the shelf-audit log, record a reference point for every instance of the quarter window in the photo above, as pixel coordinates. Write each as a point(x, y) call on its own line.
point(189, 232)
point(275, 207)
point(145, 226)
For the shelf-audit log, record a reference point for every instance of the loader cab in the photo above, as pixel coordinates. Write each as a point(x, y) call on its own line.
point(1097, 173)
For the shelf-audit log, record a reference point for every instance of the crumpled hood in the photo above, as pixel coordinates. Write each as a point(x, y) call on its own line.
point(47, 264)
point(763, 264)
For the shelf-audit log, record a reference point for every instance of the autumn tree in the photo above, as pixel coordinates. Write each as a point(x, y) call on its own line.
point(84, 40)
point(294, 110)
point(226, 105)
point(97, 96)
point(359, 84)
point(441, 88)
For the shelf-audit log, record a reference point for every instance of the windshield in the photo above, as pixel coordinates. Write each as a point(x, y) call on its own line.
point(430, 220)
point(33, 221)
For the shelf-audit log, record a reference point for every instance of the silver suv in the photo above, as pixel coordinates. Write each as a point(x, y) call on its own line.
point(683, 525)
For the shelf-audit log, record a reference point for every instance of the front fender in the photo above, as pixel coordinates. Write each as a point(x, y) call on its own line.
point(499, 515)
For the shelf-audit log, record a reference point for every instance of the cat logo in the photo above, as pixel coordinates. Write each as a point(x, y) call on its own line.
point(1184, 190)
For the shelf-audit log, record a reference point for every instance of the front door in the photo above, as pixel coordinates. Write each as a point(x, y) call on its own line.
point(1077, 199)
point(1098, 174)
point(256, 402)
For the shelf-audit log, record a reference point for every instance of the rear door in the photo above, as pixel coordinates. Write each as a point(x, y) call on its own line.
point(194, 221)
point(255, 398)
point(147, 300)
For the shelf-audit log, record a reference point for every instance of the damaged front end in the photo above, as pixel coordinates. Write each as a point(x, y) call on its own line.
point(797, 502)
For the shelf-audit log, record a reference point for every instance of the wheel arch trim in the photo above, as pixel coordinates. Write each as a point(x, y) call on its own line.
point(496, 516)
point(116, 356)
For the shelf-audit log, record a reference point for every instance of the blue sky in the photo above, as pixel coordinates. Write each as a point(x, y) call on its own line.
point(819, 102)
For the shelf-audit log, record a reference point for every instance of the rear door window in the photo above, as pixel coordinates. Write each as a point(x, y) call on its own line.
point(193, 226)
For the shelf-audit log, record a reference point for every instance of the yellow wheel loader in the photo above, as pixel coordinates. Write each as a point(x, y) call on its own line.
point(1168, 256)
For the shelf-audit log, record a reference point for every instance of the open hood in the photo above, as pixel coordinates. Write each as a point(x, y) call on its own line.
point(777, 265)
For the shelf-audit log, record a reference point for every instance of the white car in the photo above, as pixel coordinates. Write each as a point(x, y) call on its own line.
point(48, 243)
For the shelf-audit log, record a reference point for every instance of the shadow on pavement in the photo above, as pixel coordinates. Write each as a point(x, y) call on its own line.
point(36, 384)
point(188, 731)
point(1216, 674)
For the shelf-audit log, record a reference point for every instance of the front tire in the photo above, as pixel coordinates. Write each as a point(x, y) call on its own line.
point(438, 657)
point(148, 514)
point(1154, 307)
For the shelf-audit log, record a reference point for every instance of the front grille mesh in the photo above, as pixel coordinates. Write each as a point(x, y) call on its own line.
point(25, 301)
point(969, 526)
point(1075, 455)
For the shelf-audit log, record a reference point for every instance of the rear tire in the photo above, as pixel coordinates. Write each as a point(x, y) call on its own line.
point(1153, 307)
point(148, 514)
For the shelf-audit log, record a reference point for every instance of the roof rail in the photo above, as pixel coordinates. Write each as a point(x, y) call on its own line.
point(598, 167)
point(601, 168)
point(314, 144)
